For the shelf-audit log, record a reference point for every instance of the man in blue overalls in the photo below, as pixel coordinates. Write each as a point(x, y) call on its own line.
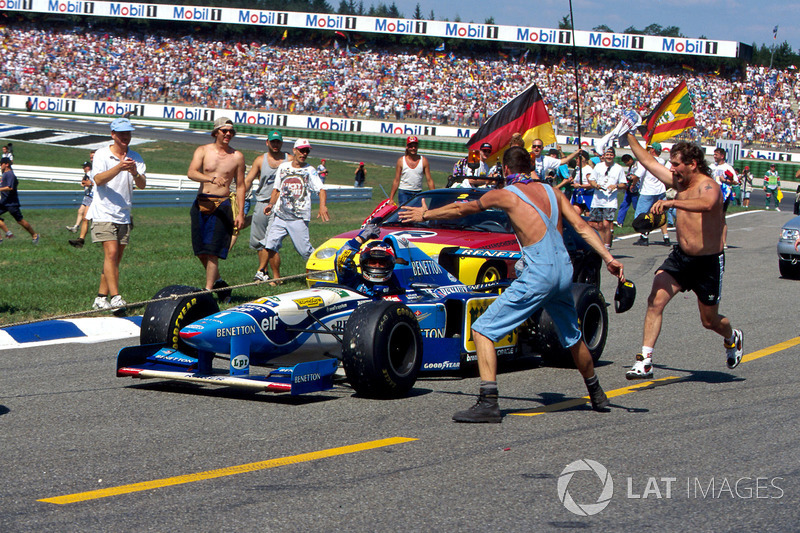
point(536, 212)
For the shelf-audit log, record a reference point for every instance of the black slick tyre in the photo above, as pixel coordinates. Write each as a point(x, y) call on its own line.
point(163, 320)
point(788, 269)
point(382, 350)
point(593, 322)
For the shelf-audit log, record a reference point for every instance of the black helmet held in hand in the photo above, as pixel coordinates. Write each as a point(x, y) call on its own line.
point(625, 296)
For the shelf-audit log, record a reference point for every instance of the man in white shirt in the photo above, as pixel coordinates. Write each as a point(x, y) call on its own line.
point(725, 176)
point(650, 191)
point(115, 171)
point(295, 180)
point(543, 164)
point(606, 179)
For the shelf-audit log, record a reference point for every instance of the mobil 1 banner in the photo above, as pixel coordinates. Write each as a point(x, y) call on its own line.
point(386, 26)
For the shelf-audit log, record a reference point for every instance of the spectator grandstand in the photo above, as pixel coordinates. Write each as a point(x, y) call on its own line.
point(757, 105)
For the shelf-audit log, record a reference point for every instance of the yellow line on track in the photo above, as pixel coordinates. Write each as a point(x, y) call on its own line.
point(769, 350)
point(560, 406)
point(221, 472)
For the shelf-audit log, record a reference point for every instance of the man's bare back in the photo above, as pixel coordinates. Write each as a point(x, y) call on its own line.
point(528, 225)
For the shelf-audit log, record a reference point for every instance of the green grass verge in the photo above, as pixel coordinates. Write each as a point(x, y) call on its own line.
point(53, 278)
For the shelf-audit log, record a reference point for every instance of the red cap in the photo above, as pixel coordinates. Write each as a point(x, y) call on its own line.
point(412, 139)
point(361, 164)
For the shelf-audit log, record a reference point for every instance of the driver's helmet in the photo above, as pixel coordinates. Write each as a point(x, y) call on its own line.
point(377, 262)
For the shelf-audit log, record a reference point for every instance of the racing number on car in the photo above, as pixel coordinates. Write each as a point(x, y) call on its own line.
point(475, 308)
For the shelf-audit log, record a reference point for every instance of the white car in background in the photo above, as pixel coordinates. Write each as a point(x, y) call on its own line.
point(788, 257)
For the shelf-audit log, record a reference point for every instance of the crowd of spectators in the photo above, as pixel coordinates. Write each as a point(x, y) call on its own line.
point(754, 105)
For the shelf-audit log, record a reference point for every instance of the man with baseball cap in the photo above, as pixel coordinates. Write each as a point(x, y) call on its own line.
point(772, 182)
point(216, 166)
point(115, 171)
point(409, 171)
point(265, 166)
point(360, 175)
point(295, 180)
point(9, 199)
point(467, 171)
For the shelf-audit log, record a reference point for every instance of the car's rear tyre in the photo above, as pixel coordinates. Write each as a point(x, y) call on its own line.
point(586, 268)
point(542, 336)
point(382, 350)
point(788, 269)
point(163, 320)
point(490, 272)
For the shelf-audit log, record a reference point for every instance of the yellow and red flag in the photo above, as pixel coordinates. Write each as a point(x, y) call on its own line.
point(526, 114)
point(673, 115)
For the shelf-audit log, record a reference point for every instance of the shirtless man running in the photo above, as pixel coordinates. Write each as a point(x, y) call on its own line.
point(215, 166)
point(698, 262)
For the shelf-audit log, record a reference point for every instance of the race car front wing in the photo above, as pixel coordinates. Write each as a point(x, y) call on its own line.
point(157, 361)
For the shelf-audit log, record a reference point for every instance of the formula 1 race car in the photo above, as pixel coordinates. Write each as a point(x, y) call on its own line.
point(302, 337)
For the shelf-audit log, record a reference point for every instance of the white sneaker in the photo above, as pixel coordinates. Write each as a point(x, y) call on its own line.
point(641, 369)
point(734, 351)
point(73, 229)
point(778, 209)
point(261, 276)
point(101, 302)
point(117, 301)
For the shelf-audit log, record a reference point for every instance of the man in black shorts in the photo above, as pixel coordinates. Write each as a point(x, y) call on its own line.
point(9, 200)
point(698, 261)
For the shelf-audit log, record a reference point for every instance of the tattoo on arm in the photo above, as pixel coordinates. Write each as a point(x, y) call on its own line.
point(480, 205)
point(708, 187)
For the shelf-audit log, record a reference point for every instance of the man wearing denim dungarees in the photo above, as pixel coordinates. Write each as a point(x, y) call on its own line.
point(536, 212)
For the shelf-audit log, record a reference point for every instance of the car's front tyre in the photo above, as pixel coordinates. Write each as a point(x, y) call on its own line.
point(789, 269)
point(382, 350)
point(162, 321)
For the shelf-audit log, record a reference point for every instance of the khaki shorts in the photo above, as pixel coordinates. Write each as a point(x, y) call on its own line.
point(110, 231)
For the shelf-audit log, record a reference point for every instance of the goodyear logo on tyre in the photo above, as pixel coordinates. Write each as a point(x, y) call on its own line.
point(475, 308)
point(309, 302)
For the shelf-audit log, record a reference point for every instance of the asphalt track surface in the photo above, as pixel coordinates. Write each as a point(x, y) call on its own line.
point(701, 449)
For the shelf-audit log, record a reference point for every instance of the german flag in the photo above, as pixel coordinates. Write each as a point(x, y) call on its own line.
point(673, 115)
point(525, 114)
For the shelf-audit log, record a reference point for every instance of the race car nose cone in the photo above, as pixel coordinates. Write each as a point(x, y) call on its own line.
point(214, 333)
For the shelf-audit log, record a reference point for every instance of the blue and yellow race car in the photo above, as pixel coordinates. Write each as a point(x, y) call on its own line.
point(295, 342)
